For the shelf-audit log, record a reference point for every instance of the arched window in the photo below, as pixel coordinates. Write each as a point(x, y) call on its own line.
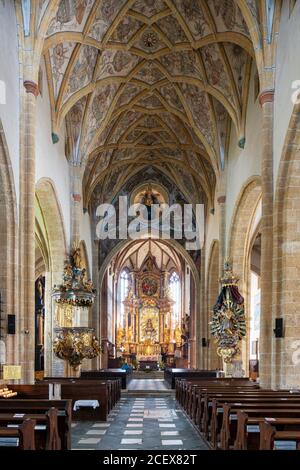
point(123, 292)
point(175, 291)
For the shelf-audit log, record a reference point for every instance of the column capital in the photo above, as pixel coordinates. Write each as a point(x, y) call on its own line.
point(221, 199)
point(31, 87)
point(266, 96)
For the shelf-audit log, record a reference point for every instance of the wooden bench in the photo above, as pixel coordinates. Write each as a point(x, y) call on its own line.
point(74, 390)
point(46, 429)
point(114, 386)
point(34, 406)
point(108, 374)
point(24, 435)
point(229, 423)
point(171, 374)
point(248, 427)
point(213, 411)
point(269, 434)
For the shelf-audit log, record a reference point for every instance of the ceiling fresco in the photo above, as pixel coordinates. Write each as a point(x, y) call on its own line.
point(149, 82)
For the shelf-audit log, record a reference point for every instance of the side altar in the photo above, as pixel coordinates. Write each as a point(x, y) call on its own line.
point(147, 335)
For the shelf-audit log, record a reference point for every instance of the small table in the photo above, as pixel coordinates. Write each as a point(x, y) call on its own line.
point(86, 404)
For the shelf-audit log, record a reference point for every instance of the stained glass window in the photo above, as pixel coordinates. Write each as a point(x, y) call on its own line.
point(123, 291)
point(175, 291)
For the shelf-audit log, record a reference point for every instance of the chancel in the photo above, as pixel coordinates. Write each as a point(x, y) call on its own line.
point(149, 226)
point(150, 317)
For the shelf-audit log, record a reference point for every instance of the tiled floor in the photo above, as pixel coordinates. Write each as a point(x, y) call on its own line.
point(147, 384)
point(140, 423)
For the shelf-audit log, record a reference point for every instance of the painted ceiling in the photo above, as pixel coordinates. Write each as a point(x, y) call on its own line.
point(149, 82)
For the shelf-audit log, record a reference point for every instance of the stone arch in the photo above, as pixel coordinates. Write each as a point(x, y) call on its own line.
point(240, 238)
point(54, 250)
point(8, 242)
point(286, 269)
point(212, 289)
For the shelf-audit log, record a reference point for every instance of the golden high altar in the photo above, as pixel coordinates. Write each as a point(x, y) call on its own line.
point(147, 334)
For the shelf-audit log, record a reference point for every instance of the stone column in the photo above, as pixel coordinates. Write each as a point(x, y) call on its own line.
point(222, 232)
point(76, 198)
point(266, 323)
point(27, 230)
point(203, 316)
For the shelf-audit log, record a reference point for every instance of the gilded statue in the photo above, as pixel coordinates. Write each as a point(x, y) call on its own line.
point(77, 258)
point(149, 331)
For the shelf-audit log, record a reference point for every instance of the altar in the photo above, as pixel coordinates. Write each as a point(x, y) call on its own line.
point(147, 334)
point(148, 365)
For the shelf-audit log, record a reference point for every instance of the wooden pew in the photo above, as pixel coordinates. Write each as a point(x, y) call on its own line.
point(114, 386)
point(213, 412)
point(108, 374)
point(74, 390)
point(269, 434)
point(171, 374)
point(47, 438)
point(88, 390)
point(24, 433)
point(249, 439)
point(34, 406)
point(229, 422)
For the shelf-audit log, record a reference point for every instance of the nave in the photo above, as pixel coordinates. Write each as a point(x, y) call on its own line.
point(148, 420)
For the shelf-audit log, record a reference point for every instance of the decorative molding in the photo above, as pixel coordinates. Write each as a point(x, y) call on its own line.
point(242, 142)
point(221, 199)
point(31, 87)
point(76, 197)
point(266, 96)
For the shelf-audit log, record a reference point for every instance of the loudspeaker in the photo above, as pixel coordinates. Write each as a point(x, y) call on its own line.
point(278, 328)
point(204, 343)
point(11, 324)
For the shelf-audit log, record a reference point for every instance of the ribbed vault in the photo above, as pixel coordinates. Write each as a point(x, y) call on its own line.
point(156, 82)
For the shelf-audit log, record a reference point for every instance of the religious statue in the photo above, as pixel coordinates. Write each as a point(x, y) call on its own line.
point(228, 323)
point(40, 290)
point(149, 330)
point(76, 256)
point(89, 285)
point(149, 197)
point(177, 335)
point(186, 327)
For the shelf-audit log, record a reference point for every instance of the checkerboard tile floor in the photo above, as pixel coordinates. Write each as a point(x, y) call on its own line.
point(147, 384)
point(139, 423)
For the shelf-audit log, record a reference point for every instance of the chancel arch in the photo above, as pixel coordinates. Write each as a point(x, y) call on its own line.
point(143, 272)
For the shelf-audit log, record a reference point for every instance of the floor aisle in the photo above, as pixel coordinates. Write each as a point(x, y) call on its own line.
point(147, 384)
point(140, 423)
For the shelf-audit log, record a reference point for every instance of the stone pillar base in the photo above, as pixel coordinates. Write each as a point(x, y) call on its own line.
point(234, 369)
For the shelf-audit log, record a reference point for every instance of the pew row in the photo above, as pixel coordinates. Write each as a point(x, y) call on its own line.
point(95, 399)
point(36, 406)
point(218, 409)
point(45, 431)
point(22, 435)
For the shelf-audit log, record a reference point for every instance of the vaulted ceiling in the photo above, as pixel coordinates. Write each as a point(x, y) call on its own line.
point(149, 82)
